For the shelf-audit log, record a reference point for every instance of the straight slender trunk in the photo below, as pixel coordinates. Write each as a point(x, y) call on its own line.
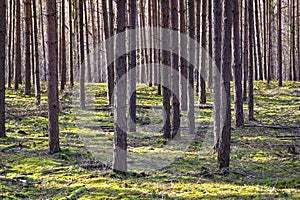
point(87, 48)
point(183, 62)
point(279, 43)
point(225, 137)
point(175, 76)
point(165, 21)
point(269, 77)
point(53, 104)
point(293, 61)
point(37, 61)
point(43, 40)
point(95, 72)
point(245, 70)
point(217, 70)
point(191, 53)
point(237, 69)
point(10, 33)
point(27, 7)
point(18, 64)
point(82, 56)
point(63, 48)
point(120, 137)
point(250, 71)
point(132, 68)
point(265, 38)
point(298, 37)
point(202, 75)
point(71, 72)
point(210, 44)
point(260, 65)
point(2, 66)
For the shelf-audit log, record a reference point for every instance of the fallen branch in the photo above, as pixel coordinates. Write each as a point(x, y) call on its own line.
point(273, 127)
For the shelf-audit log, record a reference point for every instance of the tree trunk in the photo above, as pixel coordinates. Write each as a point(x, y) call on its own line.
point(245, 70)
point(27, 7)
point(95, 56)
point(10, 33)
point(191, 53)
point(250, 69)
point(217, 70)
point(52, 77)
point(120, 137)
point(210, 44)
point(265, 38)
point(225, 137)
point(63, 48)
point(18, 64)
point(298, 37)
point(260, 66)
point(132, 68)
point(2, 66)
point(175, 76)
point(279, 43)
point(37, 61)
point(202, 75)
point(88, 61)
point(43, 41)
point(237, 69)
point(71, 44)
point(165, 21)
point(183, 62)
point(269, 77)
point(82, 56)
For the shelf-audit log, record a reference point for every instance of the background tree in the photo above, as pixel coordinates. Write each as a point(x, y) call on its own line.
point(2, 66)
point(18, 64)
point(53, 103)
point(225, 137)
point(27, 7)
point(237, 69)
point(279, 43)
point(82, 56)
point(120, 136)
point(63, 60)
point(258, 42)
point(250, 67)
point(175, 77)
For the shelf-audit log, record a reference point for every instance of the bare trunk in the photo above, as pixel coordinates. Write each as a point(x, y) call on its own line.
point(250, 71)
point(82, 56)
point(43, 41)
point(63, 48)
point(279, 43)
point(27, 7)
point(52, 78)
point(2, 66)
point(120, 137)
point(71, 44)
point(245, 65)
point(237, 69)
point(18, 64)
point(88, 61)
point(260, 65)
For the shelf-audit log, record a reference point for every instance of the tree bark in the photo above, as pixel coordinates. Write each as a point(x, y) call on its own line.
point(37, 61)
point(10, 33)
point(245, 65)
point(63, 48)
point(183, 62)
point(53, 103)
point(191, 53)
point(120, 137)
point(279, 43)
point(217, 70)
point(165, 38)
point(88, 60)
point(225, 137)
point(43, 40)
point(175, 76)
point(18, 64)
point(132, 68)
point(2, 66)
point(237, 69)
point(27, 7)
point(250, 69)
point(260, 66)
point(82, 56)
point(71, 72)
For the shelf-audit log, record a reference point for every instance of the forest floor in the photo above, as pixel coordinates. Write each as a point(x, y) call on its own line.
point(265, 161)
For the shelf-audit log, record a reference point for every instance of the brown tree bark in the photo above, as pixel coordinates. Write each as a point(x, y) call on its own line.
point(63, 48)
point(10, 36)
point(2, 66)
point(225, 137)
point(95, 72)
point(27, 7)
point(71, 72)
point(183, 62)
point(175, 77)
point(52, 77)
point(88, 60)
point(191, 53)
point(37, 59)
point(165, 73)
point(120, 137)
point(279, 43)
point(237, 69)
point(245, 64)
point(250, 67)
point(216, 81)
point(210, 44)
point(82, 55)
point(298, 37)
point(202, 97)
point(260, 64)
point(18, 64)
point(43, 41)
point(265, 13)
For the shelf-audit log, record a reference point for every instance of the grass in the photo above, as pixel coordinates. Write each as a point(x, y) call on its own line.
point(262, 164)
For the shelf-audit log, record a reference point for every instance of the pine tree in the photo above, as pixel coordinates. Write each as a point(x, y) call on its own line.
point(2, 66)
